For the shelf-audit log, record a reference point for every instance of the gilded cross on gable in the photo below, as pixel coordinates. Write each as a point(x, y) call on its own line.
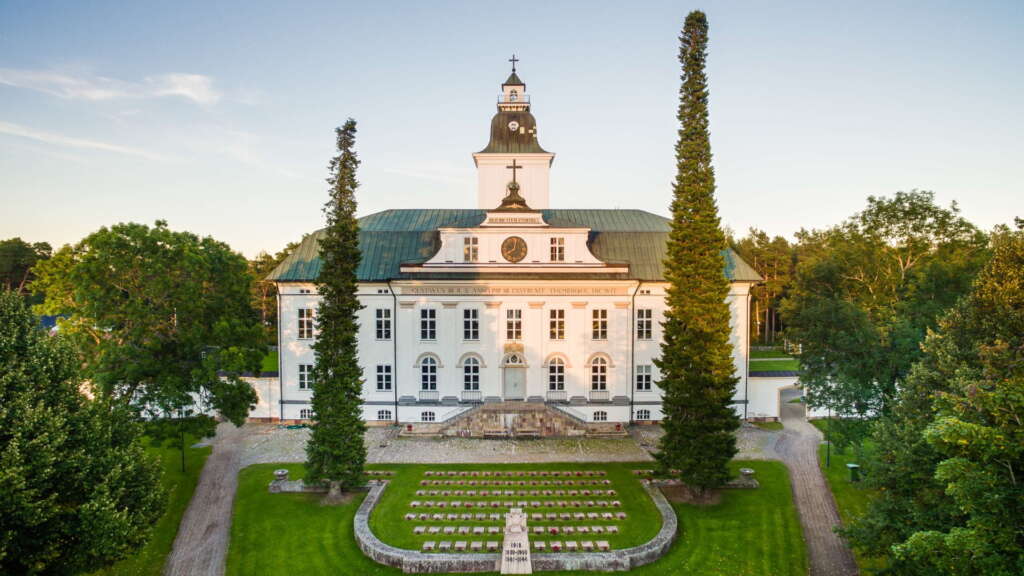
point(513, 167)
point(513, 60)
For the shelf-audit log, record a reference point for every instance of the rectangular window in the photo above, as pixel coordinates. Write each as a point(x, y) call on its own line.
point(599, 327)
point(305, 323)
point(643, 377)
point(383, 377)
point(428, 416)
point(470, 324)
point(557, 325)
point(470, 249)
point(305, 414)
point(305, 376)
point(644, 323)
point(558, 249)
point(383, 324)
point(383, 414)
point(428, 324)
point(514, 324)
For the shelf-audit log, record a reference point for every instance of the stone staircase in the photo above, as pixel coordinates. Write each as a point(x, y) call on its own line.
point(522, 420)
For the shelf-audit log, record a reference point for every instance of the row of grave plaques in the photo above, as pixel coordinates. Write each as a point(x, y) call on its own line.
point(535, 516)
point(593, 482)
point(520, 473)
point(538, 546)
point(553, 530)
point(587, 492)
point(518, 504)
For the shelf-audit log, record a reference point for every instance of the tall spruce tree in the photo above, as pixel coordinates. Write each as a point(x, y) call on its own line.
point(696, 361)
point(335, 453)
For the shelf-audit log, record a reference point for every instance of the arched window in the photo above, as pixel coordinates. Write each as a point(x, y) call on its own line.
point(599, 374)
point(643, 414)
point(427, 416)
point(600, 416)
point(471, 374)
point(428, 374)
point(383, 414)
point(556, 374)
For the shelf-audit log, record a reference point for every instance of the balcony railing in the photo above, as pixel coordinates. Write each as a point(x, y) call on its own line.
point(472, 396)
point(599, 396)
point(557, 396)
point(429, 396)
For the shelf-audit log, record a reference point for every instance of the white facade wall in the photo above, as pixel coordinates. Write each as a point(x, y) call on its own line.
point(493, 299)
point(493, 177)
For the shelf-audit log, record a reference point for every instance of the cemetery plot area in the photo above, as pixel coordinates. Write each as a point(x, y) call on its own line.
point(461, 508)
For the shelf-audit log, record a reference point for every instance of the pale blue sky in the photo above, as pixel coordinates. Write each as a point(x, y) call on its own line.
point(218, 117)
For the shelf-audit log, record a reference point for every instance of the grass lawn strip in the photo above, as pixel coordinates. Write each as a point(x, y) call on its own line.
point(751, 533)
point(150, 560)
point(774, 365)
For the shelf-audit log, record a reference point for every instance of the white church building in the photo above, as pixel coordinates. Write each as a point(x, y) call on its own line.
point(509, 304)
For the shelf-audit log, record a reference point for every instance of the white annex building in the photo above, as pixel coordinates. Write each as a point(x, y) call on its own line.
point(505, 308)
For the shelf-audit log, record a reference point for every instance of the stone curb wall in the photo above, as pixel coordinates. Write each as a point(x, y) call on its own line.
point(416, 562)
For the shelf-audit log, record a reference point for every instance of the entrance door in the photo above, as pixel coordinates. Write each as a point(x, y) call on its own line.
point(515, 383)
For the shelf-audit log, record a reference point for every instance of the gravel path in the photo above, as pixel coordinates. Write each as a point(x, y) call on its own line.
point(797, 446)
point(201, 546)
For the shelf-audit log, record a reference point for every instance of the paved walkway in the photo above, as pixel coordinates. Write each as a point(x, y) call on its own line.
point(797, 446)
point(201, 547)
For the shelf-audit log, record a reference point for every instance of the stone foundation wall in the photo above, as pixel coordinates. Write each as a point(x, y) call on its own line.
point(415, 562)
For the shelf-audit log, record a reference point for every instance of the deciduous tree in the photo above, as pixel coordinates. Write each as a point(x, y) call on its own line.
point(696, 359)
point(77, 491)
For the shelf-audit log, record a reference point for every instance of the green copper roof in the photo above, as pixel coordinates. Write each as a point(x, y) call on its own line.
point(393, 237)
point(513, 80)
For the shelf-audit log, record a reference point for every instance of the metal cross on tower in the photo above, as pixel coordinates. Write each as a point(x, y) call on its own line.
point(513, 167)
point(513, 60)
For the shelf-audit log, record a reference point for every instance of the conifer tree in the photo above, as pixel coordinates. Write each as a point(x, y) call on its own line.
point(335, 452)
point(696, 361)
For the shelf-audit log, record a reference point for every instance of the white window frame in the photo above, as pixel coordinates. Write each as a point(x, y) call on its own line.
point(384, 377)
point(556, 324)
point(470, 249)
point(428, 373)
point(305, 376)
point(471, 374)
point(642, 414)
point(556, 375)
point(599, 373)
point(428, 416)
point(306, 414)
point(384, 415)
point(383, 317)
point(428, 324)
point(599, 324)
point(514, 324)
point(644, 377)
point(306, 323)
point(471, 324)
point(558, 249)
point(644, 324)
point(600, 416)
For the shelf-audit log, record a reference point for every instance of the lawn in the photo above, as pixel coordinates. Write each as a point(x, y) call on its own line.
point(269, 363)
point(774, 365)
point(851, 499)
point(768, 425)
point(150, 560)
point(752, 532)
point(777, 352)
point(639, 526)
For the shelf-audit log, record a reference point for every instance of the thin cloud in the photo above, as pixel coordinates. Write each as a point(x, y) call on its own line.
point(71, 142)
point(193, 87)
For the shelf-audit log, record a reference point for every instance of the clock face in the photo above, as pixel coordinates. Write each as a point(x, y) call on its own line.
point(513, 249)
point(513, 125)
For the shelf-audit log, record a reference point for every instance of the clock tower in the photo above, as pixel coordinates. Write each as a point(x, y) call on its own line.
point(513, 138)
